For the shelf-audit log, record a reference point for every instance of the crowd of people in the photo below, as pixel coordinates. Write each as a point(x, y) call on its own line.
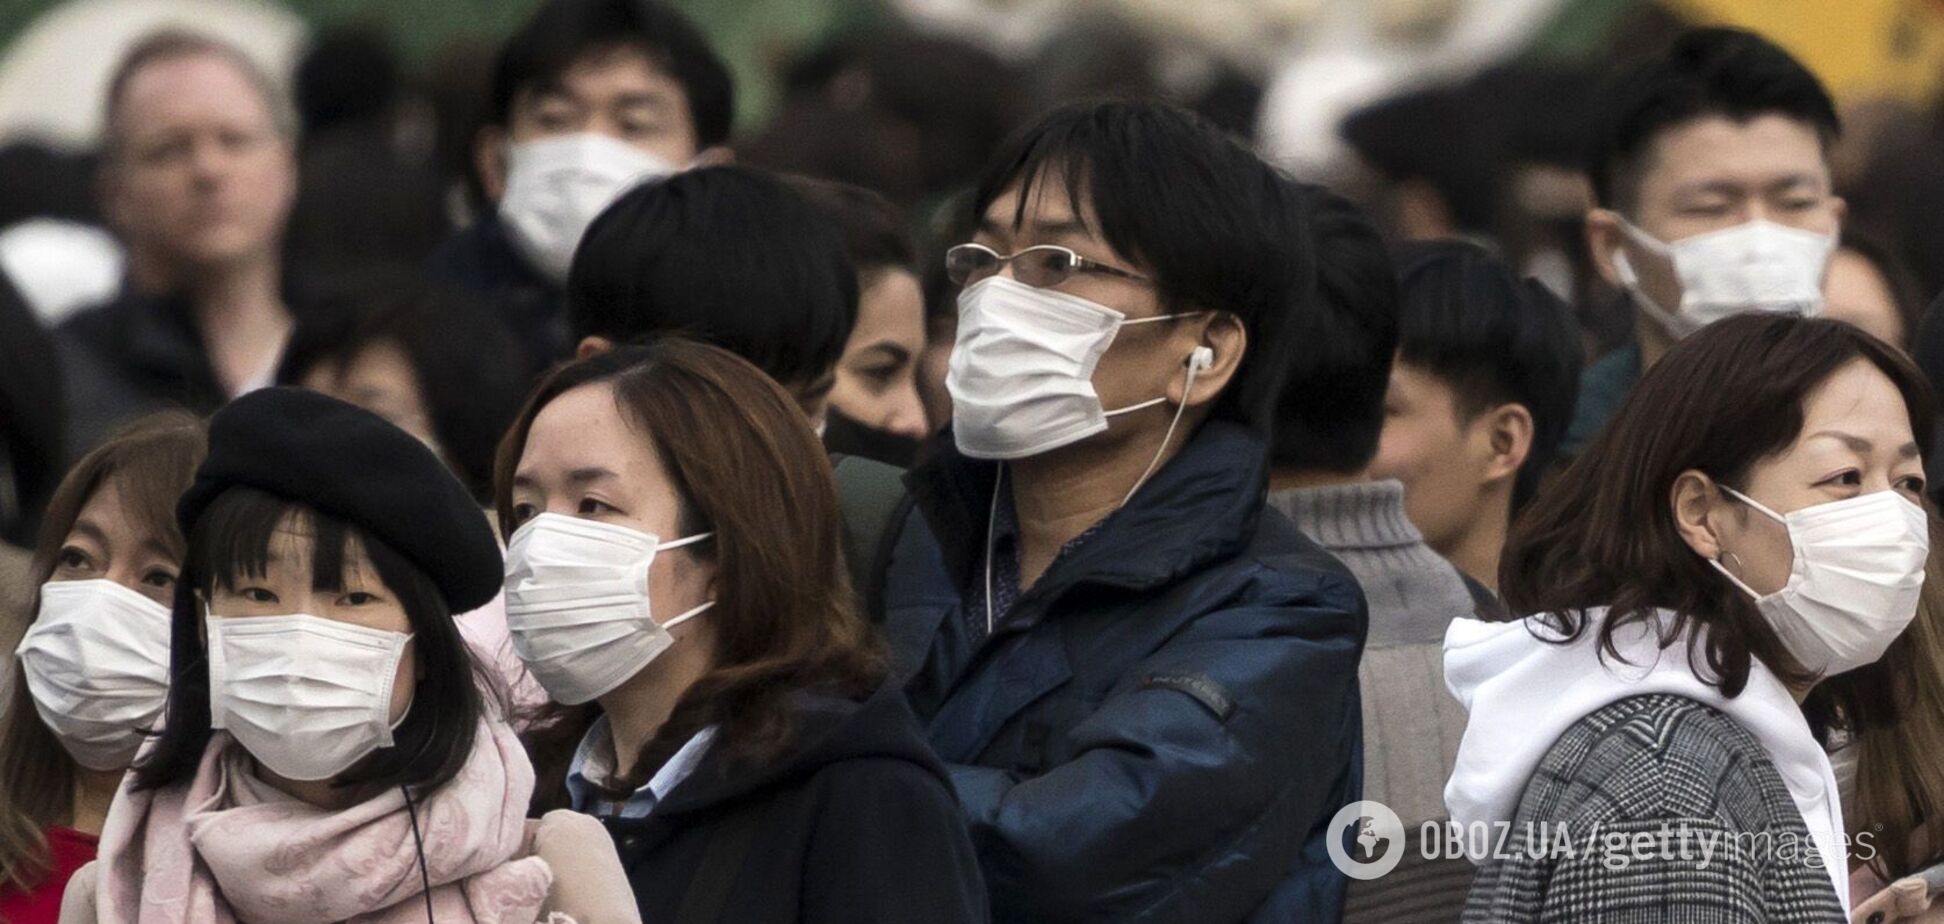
point(689, 539)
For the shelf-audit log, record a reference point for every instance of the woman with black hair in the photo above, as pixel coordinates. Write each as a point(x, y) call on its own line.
point(327, 753)
point(1740, 545)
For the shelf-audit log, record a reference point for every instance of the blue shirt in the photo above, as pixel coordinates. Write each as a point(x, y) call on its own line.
point(593, 766)
point(1004, 564)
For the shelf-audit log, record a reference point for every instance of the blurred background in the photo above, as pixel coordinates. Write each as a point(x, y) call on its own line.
point(1446, 118)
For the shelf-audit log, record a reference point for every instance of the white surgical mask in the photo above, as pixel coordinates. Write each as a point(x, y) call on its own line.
point(96, 661)
point(556, 186)
point(1021, 374)
point(307, 697)
point(1755, 266)
point(577, 603)
point(1859, 565)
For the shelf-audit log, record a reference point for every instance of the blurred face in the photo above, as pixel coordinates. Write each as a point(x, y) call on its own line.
point(877, 378)
point(584, 458)
point(617, 91)
point(285, 588)
point(1715, 173)
point(1856, 292)
point(200, 177)
point(380, 379)
point(1441, 458)
point(105, 543)
point(1856, 439)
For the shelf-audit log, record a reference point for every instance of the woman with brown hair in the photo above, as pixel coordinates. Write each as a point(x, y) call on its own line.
point(675, 580)
point(92, 672)
point(1749, 525)
point(1891, 714)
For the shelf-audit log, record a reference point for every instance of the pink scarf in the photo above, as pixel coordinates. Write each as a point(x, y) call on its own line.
point(225, 846)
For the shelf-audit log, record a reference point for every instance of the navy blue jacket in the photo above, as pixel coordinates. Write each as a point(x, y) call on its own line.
point(1165, 722)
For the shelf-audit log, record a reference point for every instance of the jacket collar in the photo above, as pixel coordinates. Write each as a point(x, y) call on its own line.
point(1202, 506)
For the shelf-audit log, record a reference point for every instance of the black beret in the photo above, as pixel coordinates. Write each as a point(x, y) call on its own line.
point(351, 464)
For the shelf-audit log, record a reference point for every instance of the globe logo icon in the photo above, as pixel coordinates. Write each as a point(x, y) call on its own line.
point(1366, 840)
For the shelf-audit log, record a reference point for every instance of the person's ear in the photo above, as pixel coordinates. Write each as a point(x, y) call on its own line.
point(1215, 359)
point(1603, 237)
point(1508, 433)
point(1694, 498)
point(489, 160)
point(593, 346)
point(715, 156)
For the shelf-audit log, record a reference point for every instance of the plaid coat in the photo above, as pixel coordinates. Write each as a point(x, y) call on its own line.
point(1655, 808)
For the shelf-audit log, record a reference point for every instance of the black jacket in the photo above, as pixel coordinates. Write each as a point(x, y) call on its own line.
point(1167, 719)
point(128, 357)
point(481, 259)
point(856, 824)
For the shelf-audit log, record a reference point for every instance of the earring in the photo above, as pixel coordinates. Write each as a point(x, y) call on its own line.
point(1726, 556)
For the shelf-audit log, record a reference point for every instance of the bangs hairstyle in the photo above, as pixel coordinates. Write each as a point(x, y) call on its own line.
point(1214, 226)
point(1493, 339)
point(563, 32)
point(745, 466)
point(150, 463)
point(1603, 533)
point(232, 542)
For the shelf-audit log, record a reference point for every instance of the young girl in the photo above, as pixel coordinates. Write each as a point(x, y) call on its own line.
point(326, 754)
point(92, 671)
point(675, 579)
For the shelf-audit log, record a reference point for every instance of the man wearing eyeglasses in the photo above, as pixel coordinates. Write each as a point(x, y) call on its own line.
point(1143, 683)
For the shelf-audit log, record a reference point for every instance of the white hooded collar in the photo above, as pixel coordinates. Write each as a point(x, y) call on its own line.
point(1522, 694)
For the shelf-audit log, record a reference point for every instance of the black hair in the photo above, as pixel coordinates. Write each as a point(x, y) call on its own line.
point(349, 75)
point(1492, 338)
point(33, 422)
point(1466, 165)
point(874, 231)
point(232, 539)
point(1214, 226)
point(1331, 411)
point(562, 32)
point(470, 371)
point(730, 256)
point(1705, 72)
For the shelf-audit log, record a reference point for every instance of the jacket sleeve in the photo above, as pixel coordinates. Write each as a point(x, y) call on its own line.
point(890, 846)
point(1169, 808)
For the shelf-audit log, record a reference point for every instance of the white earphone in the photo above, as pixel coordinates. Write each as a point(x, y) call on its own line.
point(1202, 360)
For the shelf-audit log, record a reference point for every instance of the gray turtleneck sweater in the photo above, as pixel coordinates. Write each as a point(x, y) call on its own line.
point(1411, 723)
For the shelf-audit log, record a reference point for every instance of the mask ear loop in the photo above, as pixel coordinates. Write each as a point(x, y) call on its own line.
point(1716, 562)
point(1202, 358)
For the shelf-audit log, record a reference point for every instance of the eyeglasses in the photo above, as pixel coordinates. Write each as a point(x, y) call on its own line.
point(1041, 267)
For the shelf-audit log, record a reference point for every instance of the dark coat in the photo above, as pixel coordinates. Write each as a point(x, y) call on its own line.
point(481, 259)
point(1166, 721)
point(132, 356)
point(855, 824)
